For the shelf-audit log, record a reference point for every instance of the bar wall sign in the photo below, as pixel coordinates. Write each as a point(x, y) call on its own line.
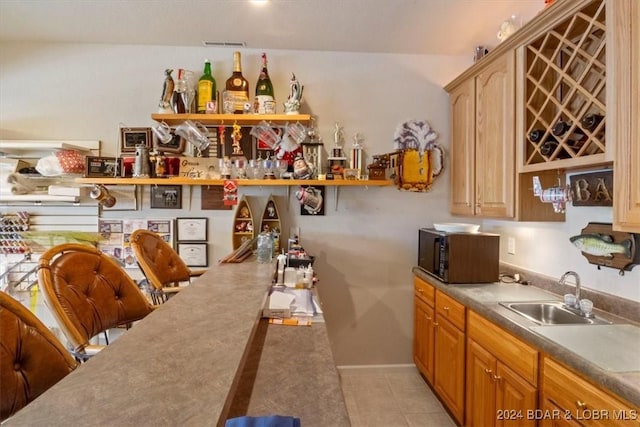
point(592, 189)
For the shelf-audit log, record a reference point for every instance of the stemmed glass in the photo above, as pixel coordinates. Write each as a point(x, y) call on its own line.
point(255, 168)
point(281, 167)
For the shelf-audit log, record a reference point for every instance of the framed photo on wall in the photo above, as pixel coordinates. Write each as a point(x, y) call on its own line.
point(132, 137)
point(166, 197)
point(191, 229)
point(194, 254)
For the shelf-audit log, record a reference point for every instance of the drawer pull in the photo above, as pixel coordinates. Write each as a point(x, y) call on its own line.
point(581, 405)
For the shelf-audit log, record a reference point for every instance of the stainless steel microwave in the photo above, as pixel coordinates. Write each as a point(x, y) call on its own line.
point(459, 257)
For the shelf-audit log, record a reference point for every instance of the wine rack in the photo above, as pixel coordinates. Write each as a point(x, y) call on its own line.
point(565, 79)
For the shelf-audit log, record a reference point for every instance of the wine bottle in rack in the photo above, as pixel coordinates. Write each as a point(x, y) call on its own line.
point(591, 121)
point(549, 146)
point(536, 135)
point(207, 91)
point(265, 101)
point(237, 86)
point(575, 139)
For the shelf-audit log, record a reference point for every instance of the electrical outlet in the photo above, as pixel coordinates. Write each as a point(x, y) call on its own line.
point(511, 245)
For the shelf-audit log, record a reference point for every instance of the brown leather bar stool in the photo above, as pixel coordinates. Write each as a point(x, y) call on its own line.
point(88, 293)
point(31, 357)
point(160, 264)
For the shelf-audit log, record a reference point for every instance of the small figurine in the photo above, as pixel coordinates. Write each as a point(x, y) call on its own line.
point(301, 169)
point(295, 96)
point(236, 137)
point(244, 212)
point(164, 107)
point(338, 135)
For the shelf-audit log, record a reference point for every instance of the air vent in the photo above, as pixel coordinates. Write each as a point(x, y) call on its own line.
point(223, 44)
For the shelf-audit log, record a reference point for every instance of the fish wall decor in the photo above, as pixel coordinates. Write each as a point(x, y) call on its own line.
point(607, 248)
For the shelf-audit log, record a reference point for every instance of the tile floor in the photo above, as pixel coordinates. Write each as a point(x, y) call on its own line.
point(390, 397)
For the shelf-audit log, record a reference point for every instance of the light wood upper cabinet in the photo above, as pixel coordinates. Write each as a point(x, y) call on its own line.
point(462, 151)
point(495, 148)
point(624, 104)
point(482, 148)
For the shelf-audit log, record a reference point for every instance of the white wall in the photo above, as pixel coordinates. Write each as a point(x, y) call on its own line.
point(366, 247)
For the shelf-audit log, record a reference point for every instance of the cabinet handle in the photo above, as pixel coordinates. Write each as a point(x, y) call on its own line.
point(435, 324)
point(428, 318)
point(581, 405)
point(488, 371)
point(446, 308)
point(420, 291)
point(497, 377)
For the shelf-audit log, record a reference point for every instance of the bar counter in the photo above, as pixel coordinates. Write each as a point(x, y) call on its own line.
point(199, 359)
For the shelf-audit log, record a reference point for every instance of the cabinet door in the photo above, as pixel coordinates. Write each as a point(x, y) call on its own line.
point(515, 398)
point(462, 150)
point(449, 361)
point(423, 338)
point(552, 416)
point(626, 109)
point(481, 396)
point(494, 139)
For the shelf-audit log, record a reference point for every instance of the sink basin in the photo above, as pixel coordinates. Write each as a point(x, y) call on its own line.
point(551, 313)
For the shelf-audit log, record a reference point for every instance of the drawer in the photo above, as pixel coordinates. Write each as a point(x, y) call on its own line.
point(583, 401)
point(450, 309)
point(424, 291)
point(519, 356)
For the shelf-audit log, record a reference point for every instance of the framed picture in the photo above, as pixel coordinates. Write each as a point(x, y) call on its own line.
point(194, 254)
point(191, 229)
point(175, 146)
point(132, 137)
point(101, 167)
point(166, 197)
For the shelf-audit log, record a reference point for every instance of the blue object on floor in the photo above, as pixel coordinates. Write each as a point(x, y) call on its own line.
point(268, 421)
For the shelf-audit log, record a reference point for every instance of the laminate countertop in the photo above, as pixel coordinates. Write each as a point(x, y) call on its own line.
point(201, 358)
point(605, 354)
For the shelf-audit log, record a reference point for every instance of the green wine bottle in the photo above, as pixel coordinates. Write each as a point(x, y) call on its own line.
point(207, 91)
point(265, 100)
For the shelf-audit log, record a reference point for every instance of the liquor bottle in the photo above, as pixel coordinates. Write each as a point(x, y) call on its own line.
point(178, 94)
point(591, 121)
point(237, 86)
point(265, 100)
point(575, 140)
point(206, 89)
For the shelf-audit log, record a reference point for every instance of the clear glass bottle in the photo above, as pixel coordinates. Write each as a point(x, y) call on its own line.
point(265, 100)
point(265, 248)
point(237, 86)
point(206, 88)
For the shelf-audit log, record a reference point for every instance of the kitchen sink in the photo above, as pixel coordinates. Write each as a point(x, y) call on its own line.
point(551, 313)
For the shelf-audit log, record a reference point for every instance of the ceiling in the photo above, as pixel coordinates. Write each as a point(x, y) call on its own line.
point(437, 27)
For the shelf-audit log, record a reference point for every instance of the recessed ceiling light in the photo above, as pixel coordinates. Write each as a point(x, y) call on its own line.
point(259, 2)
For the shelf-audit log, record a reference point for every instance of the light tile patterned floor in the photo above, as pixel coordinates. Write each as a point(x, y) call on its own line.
point(390, 397)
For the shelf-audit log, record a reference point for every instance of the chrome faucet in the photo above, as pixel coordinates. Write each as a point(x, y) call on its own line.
point(575, 275)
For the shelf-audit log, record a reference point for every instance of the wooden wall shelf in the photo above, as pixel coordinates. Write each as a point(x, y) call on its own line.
point(241, 182)
point(230, 119)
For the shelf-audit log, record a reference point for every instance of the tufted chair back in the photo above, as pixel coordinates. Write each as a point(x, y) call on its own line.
point(161, 265)
point(88, 292)
point(31, 357)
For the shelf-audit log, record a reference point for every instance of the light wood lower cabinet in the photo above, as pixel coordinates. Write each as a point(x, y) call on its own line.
point(423, 329)
point(450, 354)
point(439, 344)
point(501, 377)
point(579, 401)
